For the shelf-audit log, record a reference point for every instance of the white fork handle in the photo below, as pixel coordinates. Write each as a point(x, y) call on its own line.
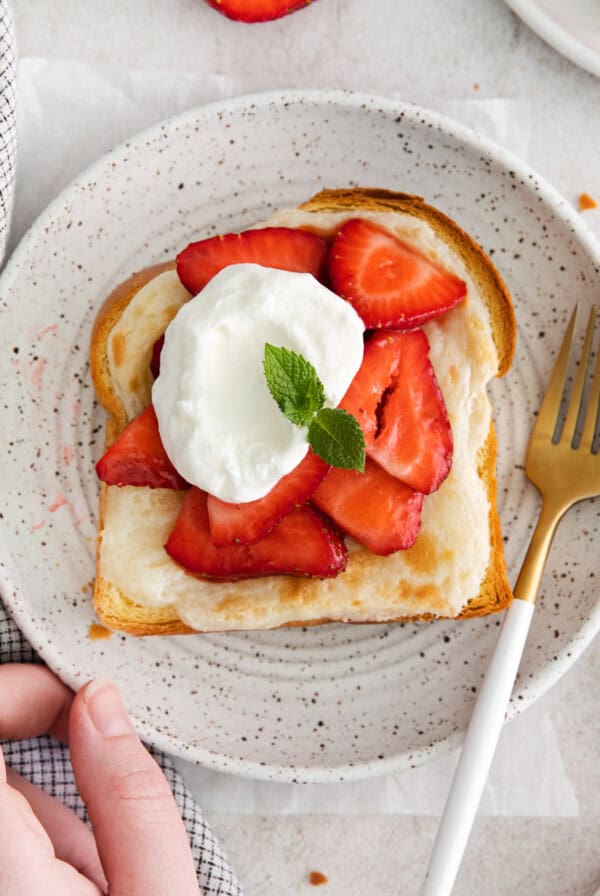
point(477, 752)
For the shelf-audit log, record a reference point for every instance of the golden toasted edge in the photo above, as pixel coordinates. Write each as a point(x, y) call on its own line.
point(116, 610)
point(106, 318)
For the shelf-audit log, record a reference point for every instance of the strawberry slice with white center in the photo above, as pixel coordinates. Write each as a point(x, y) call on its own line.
point(137, 457)
point(376, 509)
point(284, 248)
point(249, 522)
point(303, 544)
point(257, 10)
point(396, 399)
point(388, 282)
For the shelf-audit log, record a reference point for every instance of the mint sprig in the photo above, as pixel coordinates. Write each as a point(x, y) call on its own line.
point(294, 384)
point(336, 436)
point(333, 434)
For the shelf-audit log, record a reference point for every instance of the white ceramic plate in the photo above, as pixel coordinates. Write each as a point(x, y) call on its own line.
point(327, 703)
point(572, 27)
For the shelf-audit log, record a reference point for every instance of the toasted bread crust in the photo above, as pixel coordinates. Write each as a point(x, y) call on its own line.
point(109, 313)
point(116, 609)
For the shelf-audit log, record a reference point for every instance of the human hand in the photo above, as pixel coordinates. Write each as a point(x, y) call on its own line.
point(139, 844)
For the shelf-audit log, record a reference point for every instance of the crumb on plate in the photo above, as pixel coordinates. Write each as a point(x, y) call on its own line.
point(98, 632)
point(586, 202)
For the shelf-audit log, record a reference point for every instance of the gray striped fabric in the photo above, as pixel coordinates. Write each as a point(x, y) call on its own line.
point(43, 760)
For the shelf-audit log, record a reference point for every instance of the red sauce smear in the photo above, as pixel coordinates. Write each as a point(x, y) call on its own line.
point(59, 501)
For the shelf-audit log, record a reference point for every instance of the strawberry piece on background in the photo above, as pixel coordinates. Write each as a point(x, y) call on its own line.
point(249, 522)
point(284, 248)
point(388, 282)
point(396, 399)
point(374, 508)
point(256, 10)
point(303, 544)
point(137, 457)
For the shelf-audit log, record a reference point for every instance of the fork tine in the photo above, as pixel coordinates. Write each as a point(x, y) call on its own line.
point(550, 407)
point(568, 433)
point(593, 408)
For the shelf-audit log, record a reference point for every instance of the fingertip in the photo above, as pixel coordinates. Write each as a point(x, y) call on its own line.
point(98, 707)
point(106, 708)
point(35, 701)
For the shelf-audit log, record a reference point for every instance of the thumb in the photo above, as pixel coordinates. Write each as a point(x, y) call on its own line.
point(140, 836)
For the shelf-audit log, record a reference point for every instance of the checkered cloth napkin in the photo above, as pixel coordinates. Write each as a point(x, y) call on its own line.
point(8, 134)
point(43, 760)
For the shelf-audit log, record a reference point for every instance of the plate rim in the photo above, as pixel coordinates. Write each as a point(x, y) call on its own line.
point(555, 35)
point(559, 205)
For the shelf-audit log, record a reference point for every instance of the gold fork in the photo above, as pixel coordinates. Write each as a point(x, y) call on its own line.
point(562, 464)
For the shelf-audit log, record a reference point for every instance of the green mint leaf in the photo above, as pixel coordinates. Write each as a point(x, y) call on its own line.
point(337, 438)
point(293, 383)
point(333, 434)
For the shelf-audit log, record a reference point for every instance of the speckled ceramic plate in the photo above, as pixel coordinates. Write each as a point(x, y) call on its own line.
point(330, 702)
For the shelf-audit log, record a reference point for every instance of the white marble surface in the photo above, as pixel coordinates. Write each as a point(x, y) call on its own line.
point(541, 824)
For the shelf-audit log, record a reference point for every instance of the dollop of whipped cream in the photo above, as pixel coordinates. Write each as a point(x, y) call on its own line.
point(219, 424)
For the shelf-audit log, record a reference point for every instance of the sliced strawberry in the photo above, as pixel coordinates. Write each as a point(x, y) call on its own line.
point(155, 359)
point(137, 457)
point(284, 248)
point(388, 282)
point(248, 523)
point(376, 509)
point(257, 10)
point(303, 544)
point(396, 399)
